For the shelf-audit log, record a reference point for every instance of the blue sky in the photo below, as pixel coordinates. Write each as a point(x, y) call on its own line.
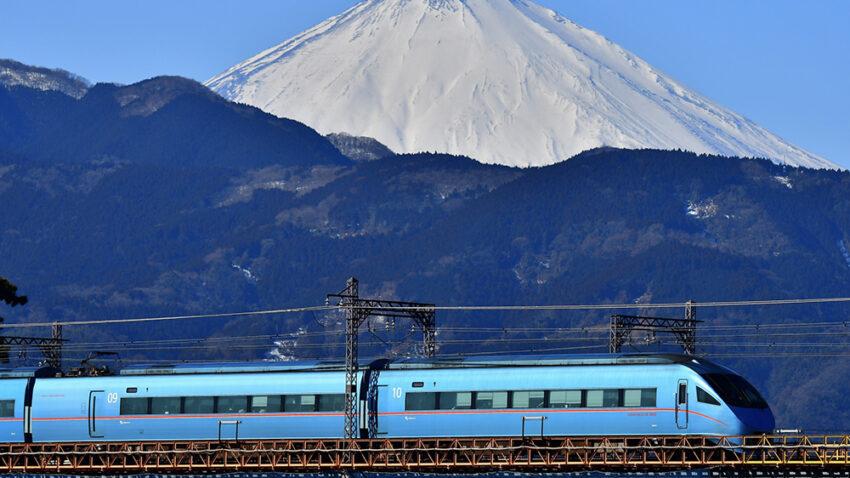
point(783, 63)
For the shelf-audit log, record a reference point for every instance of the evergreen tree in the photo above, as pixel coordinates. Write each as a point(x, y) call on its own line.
point(9, 295)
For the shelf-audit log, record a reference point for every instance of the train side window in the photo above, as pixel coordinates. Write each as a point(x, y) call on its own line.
point(134, 406)
point(332, 402)
point(7, 408)
point(420, 401)
point(455, 401)
point(528, 399)
point(198, 405)
point(566, 399)
point(299, 403)
point(237, 404)
point(648, 397)
point(705, 397)
point(165, 405)
point(603, 398)
point(265, 403)
point(491, 400)
point(632, 397)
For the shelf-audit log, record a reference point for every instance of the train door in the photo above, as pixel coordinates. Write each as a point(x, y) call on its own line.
point(682, 405)
point(383, 397)
point(97, 404)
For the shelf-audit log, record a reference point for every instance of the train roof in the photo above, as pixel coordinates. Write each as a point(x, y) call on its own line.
point(538, 361)
point(397, 364)
point(411, 363)
point(27, 372)
point(225, 367)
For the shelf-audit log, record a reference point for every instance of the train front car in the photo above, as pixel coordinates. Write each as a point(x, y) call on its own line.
point(720, 387)
point(560, 396)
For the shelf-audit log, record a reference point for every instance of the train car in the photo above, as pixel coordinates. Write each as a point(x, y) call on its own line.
point(498, 396)
point(15, 402)
point(193, 402)
point(574, 396)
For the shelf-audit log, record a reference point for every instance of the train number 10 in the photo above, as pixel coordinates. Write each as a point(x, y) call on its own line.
point(397, 392)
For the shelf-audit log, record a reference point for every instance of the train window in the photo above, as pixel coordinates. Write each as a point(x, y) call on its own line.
point(603, 398)
point(299, 403)
point(265, 404)
point(232, 404)
point(526, 399)
point(705, 397)
point(648, 397)
point(332, 403)
point(165, 405)
point(134, 406)
point(420, 401)
point(565, 399)
point(488, 400)
point(198, 405)
point(631, 397)
point(455, 401)
point(7, 408)
point(639, 397)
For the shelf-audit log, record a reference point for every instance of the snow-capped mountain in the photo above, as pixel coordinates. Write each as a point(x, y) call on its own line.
point(502, 81)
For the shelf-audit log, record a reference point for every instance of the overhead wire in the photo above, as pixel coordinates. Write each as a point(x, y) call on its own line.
point(504, 308)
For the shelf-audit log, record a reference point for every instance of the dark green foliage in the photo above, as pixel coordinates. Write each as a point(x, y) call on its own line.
point(9, 294)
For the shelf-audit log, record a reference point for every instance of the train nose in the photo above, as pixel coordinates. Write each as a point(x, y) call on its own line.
point(756, 420)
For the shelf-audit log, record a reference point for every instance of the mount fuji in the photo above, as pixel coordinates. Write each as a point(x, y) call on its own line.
point(502, 81)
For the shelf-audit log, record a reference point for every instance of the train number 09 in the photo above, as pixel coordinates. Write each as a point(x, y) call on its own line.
point(397, 392)
point(112, 397)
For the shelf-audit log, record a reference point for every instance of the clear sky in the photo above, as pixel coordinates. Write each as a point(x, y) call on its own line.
point(783, 63)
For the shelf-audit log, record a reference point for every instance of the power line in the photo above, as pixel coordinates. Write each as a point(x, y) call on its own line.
point(482, 308)
point(169, 318)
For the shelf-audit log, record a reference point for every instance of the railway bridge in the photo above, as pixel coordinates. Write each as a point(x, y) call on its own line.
point(800, 455)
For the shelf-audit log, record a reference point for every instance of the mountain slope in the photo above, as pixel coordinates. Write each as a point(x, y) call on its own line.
point(13, 73)
point(503, 81)
point(164, 120)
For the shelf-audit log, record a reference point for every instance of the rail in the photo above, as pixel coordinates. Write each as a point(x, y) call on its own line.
point(830, 453)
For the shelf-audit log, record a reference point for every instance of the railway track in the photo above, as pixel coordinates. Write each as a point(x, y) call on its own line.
point(470, 455)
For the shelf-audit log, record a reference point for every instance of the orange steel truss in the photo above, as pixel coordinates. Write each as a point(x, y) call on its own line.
point(433, 455)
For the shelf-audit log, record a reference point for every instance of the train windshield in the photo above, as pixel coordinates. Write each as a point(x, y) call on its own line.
point(734, 390)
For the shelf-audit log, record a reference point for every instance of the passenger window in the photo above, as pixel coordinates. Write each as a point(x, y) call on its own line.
point(299, 403)
point(198, 405)
point(232, 404)
point(639, 397)
point(7, 408)
point(455, 400)
point(705, 397)
point(165, 405)
point(490, 400)
point(134, 406)
point(332, 403)
point(603, 398)
point(565, 399)
point(265, 404)
point(535, 399)
point(632, 397)
point(420, 401)
point(648, 397)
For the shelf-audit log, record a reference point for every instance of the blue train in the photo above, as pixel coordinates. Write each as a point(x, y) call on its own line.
point(496, 396)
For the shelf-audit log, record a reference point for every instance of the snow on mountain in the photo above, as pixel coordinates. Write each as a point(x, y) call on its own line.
point(502, 81)
point(13, 73)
